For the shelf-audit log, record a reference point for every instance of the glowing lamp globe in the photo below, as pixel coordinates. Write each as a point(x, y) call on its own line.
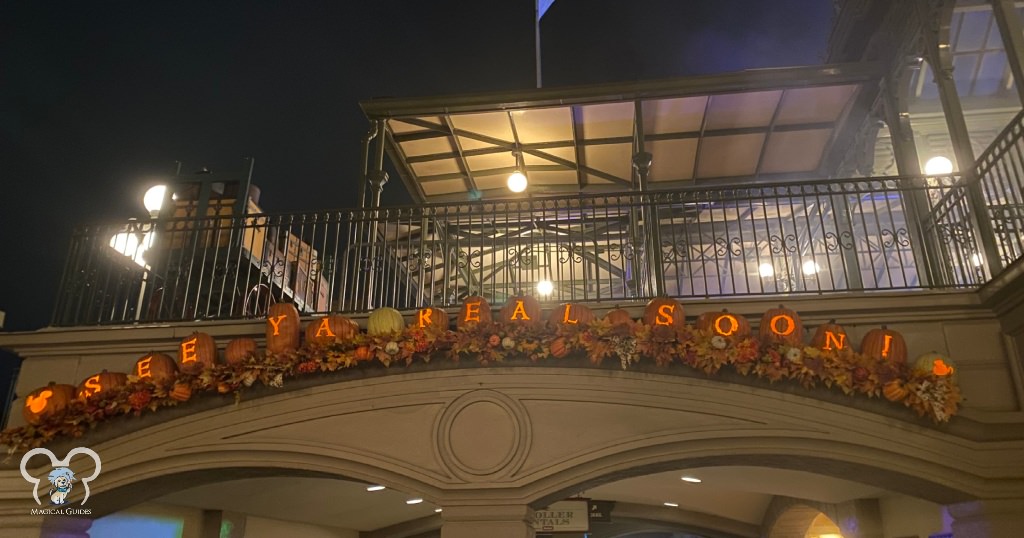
point(545, 287)
point(766, 269)
point(810, 267)
point(937, 166)
point(154, 198)
point(517, 182)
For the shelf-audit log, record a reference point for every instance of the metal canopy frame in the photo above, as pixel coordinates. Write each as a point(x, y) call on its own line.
point(431, 119)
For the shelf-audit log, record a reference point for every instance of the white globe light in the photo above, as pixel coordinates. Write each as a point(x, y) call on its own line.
point(545, 287)
point(810, 267)
point(937, 166)
point(154, 198)
point(766, 269)
point(517, 182)
point(976, 260)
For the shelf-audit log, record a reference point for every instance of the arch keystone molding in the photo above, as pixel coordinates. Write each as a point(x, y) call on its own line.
point(483, 435)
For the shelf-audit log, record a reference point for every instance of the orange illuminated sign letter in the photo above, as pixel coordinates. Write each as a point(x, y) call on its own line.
point(323, 330)
point(142, 368)
point(519, 311)
point(424, 317)
point(472, 311)
point(790, 325)
point(886, 344)
point(830, 339)
point(188, 351)
point(276, 323)
point(664, 316)
point(565, 316)
point(733, 325)
point(92, 386)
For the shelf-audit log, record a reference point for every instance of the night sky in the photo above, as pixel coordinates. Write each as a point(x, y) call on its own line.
point(98, 99)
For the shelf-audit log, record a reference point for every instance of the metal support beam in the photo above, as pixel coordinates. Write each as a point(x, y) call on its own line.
point(1010, 29)
point(939, 54)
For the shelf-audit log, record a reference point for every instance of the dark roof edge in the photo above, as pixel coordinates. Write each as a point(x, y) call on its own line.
point(753, 79)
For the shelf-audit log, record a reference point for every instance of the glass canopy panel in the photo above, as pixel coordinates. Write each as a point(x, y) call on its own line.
point(543, 125)
point(584, 139)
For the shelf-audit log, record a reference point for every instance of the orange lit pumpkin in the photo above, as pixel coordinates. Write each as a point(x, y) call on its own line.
point(559, 348)
point(385, 321)
point(332, 329)
point(521, 309)
point(475, 309)
point(618, 316)
point(936, 364)
point(283, 328)
point(100, 383)
point(781, 326)
point(571, 314)
point(432, 318)
point(895, 390)
point(45, 402)
point(240, 350)
point(157, 368)
point(664, 312)
point(884, 344)
point(829, 337)
point(724, 324)
point(196, 353)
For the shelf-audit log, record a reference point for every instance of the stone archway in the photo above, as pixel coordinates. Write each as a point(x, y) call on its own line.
point(547, 431)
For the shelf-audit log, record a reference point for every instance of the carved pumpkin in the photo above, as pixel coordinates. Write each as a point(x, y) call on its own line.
point(196, 353)
point(100, 383)
point(724, 324)
point(571, 314)
point(46, 402)
point(475, 309)
point(829, 337)
point(432, 318)
point(332, 329)
point(156, 368)
point(619, 316)
point(559, 348)
point(283, 328)
point(521, 309)
point(781, 326)
point(240, 350)
point(884, 344)
point(936, 364)
point(384, 321)
point(895, 390)
point(181, 392)
point(664, 312)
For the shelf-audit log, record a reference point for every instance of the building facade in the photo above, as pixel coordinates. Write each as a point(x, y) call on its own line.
point(648, 205)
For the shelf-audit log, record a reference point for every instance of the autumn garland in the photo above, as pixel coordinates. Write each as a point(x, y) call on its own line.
point(492, 343)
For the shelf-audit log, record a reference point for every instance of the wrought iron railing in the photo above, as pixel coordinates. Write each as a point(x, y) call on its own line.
point(1000, 171)
point(816, 237)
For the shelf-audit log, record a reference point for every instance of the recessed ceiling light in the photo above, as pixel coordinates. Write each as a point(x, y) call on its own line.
point(414, 501)
point(375, 488)
point(672, 505)
point(691, 479)
point(438, 510)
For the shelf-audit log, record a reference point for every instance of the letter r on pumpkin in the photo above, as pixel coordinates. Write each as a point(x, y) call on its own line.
point(424, 317)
